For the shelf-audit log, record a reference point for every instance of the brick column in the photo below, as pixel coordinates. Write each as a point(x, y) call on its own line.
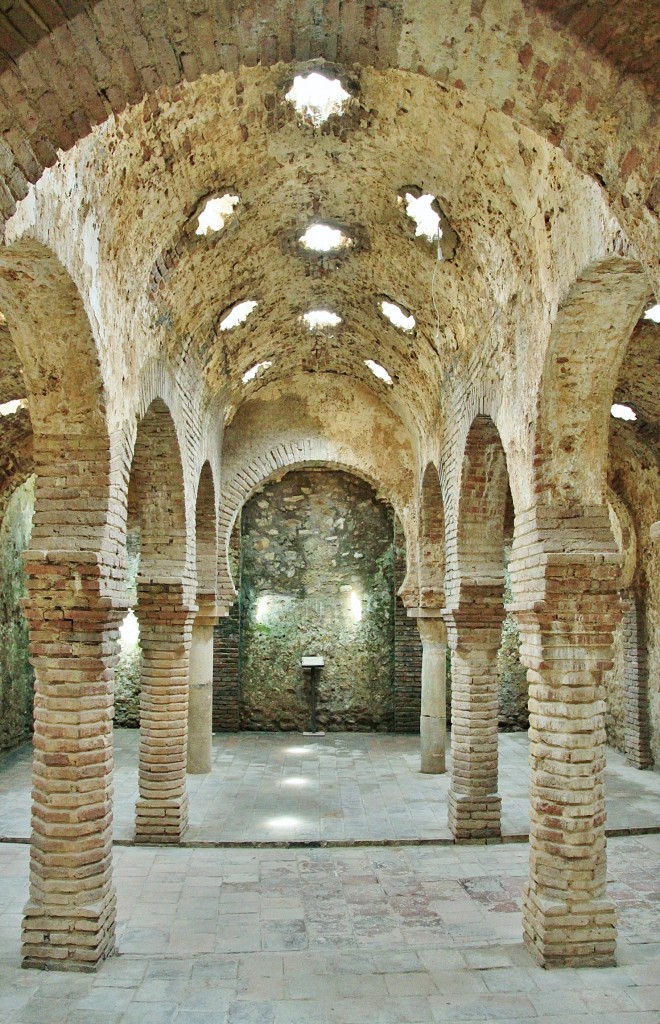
point(200, 696)
point(165, 633)
point(569, 565)
point(635, 681)
point(69, 920)
point(433, 718)
point(476, 635)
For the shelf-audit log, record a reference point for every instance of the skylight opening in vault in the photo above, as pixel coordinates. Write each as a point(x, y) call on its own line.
point(321, 318)
point(316, 97)
point(420, 210)
point(256, 370)
point(396, 316)
point(323, 238)
point(238, 315)
point(216, 213)
point(653, 313)
point(623, 412)
point(378, 371)
point(9, 408)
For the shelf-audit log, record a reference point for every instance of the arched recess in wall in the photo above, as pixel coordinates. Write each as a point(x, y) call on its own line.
point(240, 485)
point(431, 541)
point(156, 497)
point(206, 534)
point(482, 509)
point(587, 344)
point(320, 558)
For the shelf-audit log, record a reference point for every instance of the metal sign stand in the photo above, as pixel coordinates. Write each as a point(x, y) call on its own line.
point(314, 664)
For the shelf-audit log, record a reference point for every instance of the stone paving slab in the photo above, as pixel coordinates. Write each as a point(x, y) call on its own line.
point(424, 935)
point(344, 787)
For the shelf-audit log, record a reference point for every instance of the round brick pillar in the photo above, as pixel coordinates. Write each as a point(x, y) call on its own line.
point(567, 561)
point(165, 635)
point(69, 920)
point(476, 634)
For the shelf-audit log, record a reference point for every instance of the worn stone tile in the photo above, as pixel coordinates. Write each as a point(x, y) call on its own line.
point(251, 1013)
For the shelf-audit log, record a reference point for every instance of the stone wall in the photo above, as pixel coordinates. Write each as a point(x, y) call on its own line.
point(634, 476)
point(317, 577)
point(513, 713)
point(16, 675)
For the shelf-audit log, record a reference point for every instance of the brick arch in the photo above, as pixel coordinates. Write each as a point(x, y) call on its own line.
point(587, 344)
point(158, 384)
point(102, 64)
point(431, 540)
point(482, 506)
point(156, 496)
point(264, 468)
point(206, 534)
point(158, 381)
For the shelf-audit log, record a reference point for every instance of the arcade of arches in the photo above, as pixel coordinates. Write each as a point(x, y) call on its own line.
point(176, 342)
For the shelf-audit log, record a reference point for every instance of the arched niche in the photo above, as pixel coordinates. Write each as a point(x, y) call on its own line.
point(431, 541)
point(482, 506)
point(156, 497)
point(206, 533)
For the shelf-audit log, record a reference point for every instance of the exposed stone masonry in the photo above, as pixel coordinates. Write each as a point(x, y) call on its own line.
point(317, 577)
point(407, 655)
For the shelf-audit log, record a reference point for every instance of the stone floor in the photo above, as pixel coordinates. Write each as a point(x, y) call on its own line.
point(377, 934)
point(358, 935)
point(284, 787)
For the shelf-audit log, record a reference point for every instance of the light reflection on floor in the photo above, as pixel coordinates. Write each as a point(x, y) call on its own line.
point(341, 787)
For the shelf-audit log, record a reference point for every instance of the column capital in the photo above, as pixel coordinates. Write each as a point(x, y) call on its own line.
point(475, 617)
point(208, 611)
point(164, 600)
point(432, 629)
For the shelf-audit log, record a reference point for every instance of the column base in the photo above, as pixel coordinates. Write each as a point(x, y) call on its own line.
point(475, 817)
point(575, 934)
point(161, 821)
point(432, 735)
point(67, 937)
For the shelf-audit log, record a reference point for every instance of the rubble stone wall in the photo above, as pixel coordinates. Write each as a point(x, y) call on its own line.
point(317, 579)
point(16, 674)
